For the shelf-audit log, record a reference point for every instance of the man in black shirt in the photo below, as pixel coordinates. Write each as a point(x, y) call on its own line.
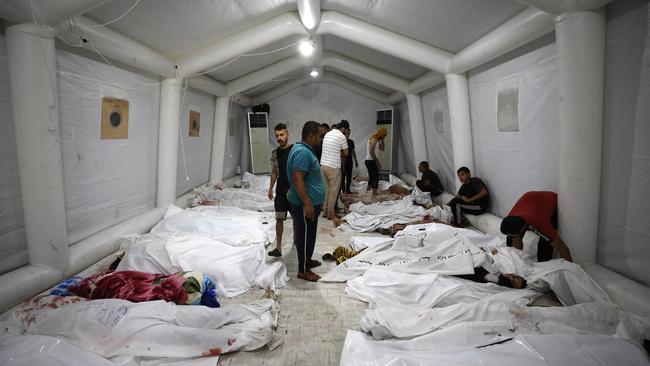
point(346, 182)
point(430, 181)
point(279, 174)
point(472, 198)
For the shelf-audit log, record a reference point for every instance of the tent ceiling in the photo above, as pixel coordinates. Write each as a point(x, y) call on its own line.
point(176, 27)
point(447, 24)
point(372, 57)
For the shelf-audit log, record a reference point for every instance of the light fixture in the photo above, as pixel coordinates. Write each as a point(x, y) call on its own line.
point(314, 73)
point(306, 47)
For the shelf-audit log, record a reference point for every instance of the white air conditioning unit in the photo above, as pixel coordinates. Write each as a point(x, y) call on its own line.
point(386, 119)
point(259, 141)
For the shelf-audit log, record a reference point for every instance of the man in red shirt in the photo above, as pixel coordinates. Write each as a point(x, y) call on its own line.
point(536, 211)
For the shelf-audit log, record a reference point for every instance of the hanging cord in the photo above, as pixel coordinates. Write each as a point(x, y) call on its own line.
point(180, 133)
point(246, 55)
point(120, 17)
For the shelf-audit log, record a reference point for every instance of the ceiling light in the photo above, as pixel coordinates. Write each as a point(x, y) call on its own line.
point(306, 47)
point(314, 73)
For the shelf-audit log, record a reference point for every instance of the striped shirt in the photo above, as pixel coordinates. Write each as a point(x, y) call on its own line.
point(333, 142)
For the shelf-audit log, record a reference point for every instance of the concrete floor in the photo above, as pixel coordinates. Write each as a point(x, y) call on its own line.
point(314, 316)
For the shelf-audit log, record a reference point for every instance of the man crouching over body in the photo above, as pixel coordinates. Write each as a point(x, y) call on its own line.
point(306, 196)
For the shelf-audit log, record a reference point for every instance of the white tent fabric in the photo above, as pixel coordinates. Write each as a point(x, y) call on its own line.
point(106, 181)
point(13, 249)
point(405, 155)
point(114, 327)
point(237, 142)
point(512, 163)
point(230, 225)
point(435, 111)
point(194, 152)
point(234, 269)
point(623, 227)
point(325, 103)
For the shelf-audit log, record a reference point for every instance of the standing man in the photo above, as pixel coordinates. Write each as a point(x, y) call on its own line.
point(430, 181)
point(306, 196)
point(347, 167)
point(536, 211)
point(472, 198)
point(279, 173)
point(335, 147)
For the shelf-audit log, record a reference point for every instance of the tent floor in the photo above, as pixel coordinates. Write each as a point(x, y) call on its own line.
point(314, 317)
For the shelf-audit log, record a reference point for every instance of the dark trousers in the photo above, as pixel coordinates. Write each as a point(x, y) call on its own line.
point(346, 180)
point(544, 248)
point(373, 174)
point(459, 207)
point(304, 234)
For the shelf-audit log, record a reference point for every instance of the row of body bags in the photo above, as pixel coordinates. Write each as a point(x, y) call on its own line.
point(420, 314)
point(225, 243)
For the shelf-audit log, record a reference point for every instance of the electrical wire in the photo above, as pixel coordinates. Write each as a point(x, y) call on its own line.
point(120, 17)
point(246, 55)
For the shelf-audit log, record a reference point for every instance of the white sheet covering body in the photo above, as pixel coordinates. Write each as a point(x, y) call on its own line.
point(235, 269)
point(382, 215)
point(113, 327)
point(487, 344)
point(425, 248)
point(230, 225)
point(252, 195)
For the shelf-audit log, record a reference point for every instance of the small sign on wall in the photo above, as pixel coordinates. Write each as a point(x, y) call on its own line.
point(115, 118)
point(195, 123)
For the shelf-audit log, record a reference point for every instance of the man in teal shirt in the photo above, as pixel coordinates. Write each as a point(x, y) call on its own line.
point(306, 197)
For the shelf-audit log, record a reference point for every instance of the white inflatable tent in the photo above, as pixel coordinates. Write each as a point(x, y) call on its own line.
point(528, 94)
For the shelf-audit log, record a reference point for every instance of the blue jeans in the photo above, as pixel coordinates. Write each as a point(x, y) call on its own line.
point(304, 234)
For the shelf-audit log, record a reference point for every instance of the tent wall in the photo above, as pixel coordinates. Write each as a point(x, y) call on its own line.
point(514, 162)
point(324, 102)
point(106, 181)
point(624, 216)
point(196, 160)
point(405, 153)
point(13, 247)
point(439, 146)
point(237, 143)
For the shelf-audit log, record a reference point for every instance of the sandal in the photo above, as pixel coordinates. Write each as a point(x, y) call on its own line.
point(314, 263)
point(308, 276)
point(275, 253)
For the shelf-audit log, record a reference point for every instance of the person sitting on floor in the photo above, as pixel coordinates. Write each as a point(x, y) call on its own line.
point(536, 211)
point(430, 181)
point(472, 198)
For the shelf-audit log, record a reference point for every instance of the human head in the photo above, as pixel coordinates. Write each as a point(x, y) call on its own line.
point(380, 134)
point(344, 124)
point(324, 128)
point(423, 166)
point(463, 174)
point(281, 134)
point(311, 133)
point(346, 132)
point(513, 226)
point(512, 280)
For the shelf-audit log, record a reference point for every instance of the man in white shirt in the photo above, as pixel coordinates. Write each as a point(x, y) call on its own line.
point(335, 146)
